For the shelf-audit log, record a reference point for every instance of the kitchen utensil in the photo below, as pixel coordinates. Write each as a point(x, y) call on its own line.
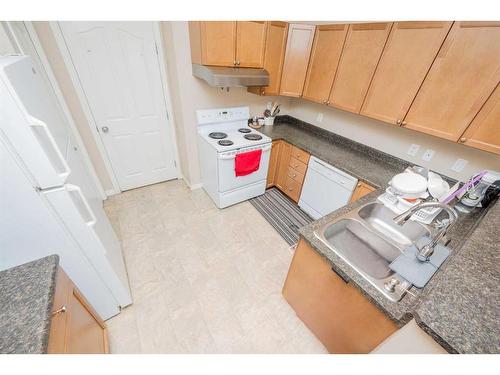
point(268, 120)
point(409, 185)
point(267, 113)
point(472, 181)
point(436, 185)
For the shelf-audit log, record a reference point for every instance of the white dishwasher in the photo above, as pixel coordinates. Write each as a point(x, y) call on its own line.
point(325, 188)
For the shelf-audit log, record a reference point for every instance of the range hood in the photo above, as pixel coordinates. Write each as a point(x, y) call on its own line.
point(219, 76)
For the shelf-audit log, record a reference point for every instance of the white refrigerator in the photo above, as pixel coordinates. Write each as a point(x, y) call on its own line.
point(48, 201)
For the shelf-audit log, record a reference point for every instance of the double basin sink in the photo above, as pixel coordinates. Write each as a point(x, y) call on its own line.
point(369, 240)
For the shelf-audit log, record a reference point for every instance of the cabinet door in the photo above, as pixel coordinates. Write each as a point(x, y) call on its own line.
point(273, 164)
point(464, 74)
point(250, 43)
point(298, 50)
point(57, 337)
point(362, 49)
point(274, 57)
point(218, 43)
point(484, 131)
point(85, 331)
point(361, 190)
point(406, 59)
point(325, 55)
point(283, 163)
point(336, 312)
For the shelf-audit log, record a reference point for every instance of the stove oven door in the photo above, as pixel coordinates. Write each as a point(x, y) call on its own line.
point(227, 176)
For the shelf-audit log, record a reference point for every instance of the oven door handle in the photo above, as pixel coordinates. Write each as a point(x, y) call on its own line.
point(232, 156)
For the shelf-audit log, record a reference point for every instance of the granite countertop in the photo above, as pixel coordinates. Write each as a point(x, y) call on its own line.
point(377, 168)
point(26, 298)
point(462, 307)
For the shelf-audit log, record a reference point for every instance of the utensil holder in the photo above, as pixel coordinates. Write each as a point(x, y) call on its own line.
point(268, 120)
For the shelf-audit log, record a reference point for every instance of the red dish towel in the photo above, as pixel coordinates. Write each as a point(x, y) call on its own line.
point(247, 162)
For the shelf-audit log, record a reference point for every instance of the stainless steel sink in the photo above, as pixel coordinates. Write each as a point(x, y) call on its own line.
point(368, 240)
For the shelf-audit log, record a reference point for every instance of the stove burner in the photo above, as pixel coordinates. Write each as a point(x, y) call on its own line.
point(217, 135)
point(225, 142)
point(252, 137)
point(244, 130)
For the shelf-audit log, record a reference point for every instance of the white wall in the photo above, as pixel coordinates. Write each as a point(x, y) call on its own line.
point(394, 140)
point(190, 93)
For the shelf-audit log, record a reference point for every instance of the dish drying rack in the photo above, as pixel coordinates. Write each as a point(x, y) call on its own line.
point(399, 205)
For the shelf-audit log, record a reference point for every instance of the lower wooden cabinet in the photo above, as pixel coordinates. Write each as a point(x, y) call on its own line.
point(336, 312)
point(287, 169)
point(273, 164)
point(361, 190)
point(76, 328)
point(282, 165)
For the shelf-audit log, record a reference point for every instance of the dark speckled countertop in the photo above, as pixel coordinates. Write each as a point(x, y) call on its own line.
point(462, 317)
point(26, 298)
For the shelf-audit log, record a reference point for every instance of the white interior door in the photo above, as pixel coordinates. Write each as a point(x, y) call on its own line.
point(118, 67)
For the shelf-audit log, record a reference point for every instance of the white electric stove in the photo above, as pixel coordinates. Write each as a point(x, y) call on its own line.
point(223, 133)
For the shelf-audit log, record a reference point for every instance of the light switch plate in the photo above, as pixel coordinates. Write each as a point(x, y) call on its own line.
point(319, 118)
point(428, 154)
point(459, 165)
point(412, 151)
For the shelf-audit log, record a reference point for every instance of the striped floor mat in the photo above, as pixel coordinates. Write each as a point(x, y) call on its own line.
point(282, 213)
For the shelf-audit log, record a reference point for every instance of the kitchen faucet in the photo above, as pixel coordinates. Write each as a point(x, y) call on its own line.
point(427, 250)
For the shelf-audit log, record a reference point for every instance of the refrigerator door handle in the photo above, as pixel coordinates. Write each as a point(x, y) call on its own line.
point(46, 138)
point(73, 188)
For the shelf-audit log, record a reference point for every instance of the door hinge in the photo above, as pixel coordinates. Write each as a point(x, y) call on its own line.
point(97, 128)
point(156, 48)
point(175, 164)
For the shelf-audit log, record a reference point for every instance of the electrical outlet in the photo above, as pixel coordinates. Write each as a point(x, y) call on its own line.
point(428, 154)
point(319, 118)
point(459, 165)
point(412, 151)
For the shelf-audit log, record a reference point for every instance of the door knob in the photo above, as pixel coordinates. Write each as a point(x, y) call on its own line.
point(105, 129)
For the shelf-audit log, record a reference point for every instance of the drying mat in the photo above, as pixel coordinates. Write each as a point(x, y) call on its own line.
point(282, 213)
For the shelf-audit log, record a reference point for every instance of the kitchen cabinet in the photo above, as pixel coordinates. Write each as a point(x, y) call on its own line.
point(462, 77)
point(228, 43)
point(407, 57)
point(273, 164)
point(336, 312)
point(325, 55)
point(484, 131)
point(361, 190)
point(362, 50)
point(298, 50)
point(285, 152)
point(273, 58)
point(75, 328)
point(250, 43)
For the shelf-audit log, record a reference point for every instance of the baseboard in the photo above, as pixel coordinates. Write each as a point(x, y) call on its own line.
point(196, 186)
point(188, 183)
point(110, 192)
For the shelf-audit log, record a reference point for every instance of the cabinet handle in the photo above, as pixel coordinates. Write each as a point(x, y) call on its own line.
point(60, 310)
point(403, 123)
point(290, 189)
point(295, 175)
point(324, 101)
point(327, 102)
point(398, 122)
point(263, 92)
point(344, 278)
point(234, 62)
point(462, 140)
point(238, 62)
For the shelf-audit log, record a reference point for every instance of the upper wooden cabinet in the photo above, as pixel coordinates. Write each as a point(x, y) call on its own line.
point(228, 43)
point(325, 55)
point(407, 57)
point(273, 57)
point(484, 131)
point(464, 74)
point(298, 49)
point(250, 43)
point(362, 49)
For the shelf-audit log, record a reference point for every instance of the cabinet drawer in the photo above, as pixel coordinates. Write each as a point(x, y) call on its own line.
point(292, 189)
point(300, 155)
point(296, 176)
point(298, 165)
